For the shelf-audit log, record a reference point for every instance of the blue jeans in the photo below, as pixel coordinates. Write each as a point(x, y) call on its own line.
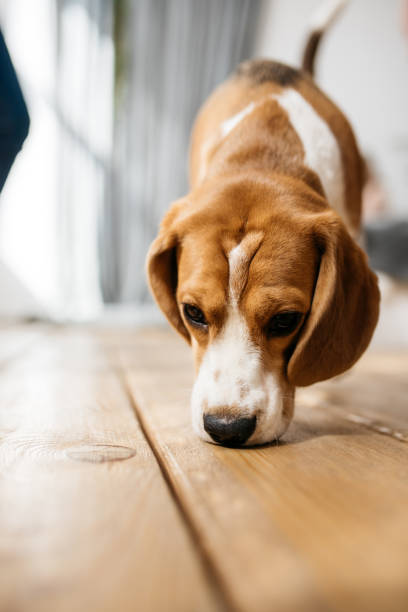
point(14, 118)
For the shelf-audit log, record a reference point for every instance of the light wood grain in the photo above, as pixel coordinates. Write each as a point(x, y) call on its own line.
point(87, 522)
point(318, 522)
point(16, 338)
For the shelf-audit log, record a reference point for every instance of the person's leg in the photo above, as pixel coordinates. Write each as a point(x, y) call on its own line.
point(14, 118)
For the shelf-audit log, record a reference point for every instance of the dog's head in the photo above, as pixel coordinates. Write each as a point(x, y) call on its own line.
point(265, 282)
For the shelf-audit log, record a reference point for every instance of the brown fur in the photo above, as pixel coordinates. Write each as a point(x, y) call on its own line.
point(255, 180)
point(263, 71)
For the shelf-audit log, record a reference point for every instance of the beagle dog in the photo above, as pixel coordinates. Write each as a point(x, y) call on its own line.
point(257, 267)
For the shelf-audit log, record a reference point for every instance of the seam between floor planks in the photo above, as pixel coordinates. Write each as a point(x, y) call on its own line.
point(377, 426)
point(205, 559)
point(171, 482)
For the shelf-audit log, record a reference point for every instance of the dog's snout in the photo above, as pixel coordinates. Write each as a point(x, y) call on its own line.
point(229, 431)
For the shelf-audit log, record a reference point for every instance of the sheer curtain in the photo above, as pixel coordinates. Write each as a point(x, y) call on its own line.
point(173, 53)
point(84, 104)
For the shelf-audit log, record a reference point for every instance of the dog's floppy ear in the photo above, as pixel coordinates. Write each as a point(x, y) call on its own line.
point(162, 267)
point(344, 309)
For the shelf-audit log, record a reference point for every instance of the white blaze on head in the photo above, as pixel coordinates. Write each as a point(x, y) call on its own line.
point(232, 380)
point(238, 262)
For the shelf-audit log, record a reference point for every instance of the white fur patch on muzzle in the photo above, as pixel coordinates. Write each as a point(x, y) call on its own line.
point(232, 383)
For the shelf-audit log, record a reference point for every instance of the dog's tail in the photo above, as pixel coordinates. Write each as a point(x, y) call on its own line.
point(321, 21)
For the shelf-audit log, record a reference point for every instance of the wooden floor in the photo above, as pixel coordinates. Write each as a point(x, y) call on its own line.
point(108, 502)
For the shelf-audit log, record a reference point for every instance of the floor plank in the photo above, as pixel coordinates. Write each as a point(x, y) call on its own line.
point(16, 338)
point(318, 522)
point(86, 519)
point(373, 394)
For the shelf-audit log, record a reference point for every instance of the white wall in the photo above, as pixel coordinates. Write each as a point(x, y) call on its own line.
point(363, 65)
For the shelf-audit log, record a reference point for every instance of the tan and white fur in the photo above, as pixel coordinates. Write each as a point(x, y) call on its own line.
point(266, 234)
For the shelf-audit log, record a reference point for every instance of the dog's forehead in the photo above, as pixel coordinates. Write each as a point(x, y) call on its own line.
point(286, 256)
point(218, 267)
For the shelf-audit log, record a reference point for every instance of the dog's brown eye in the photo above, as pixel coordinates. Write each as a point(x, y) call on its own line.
point(194, 315)
point(283, 324)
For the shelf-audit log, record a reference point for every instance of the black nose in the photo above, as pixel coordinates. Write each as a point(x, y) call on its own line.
point(227, 431)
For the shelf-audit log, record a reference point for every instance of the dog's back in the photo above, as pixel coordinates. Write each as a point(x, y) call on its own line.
point(274, 118)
